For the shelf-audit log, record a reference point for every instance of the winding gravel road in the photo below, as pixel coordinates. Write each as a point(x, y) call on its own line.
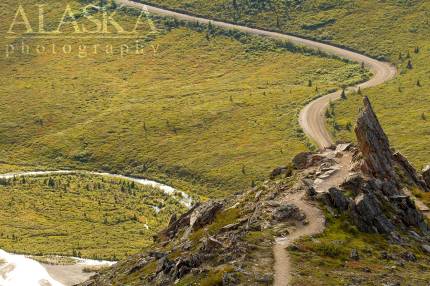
point(311, 119)
point(312, 116)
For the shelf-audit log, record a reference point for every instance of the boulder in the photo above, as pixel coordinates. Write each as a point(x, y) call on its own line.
point(197, 217)
point(302, 160)
point(288, 211)
point(426, 248)
point(164, 265)
point(368, 216)
point(204, 214)
point(343, 147)
point(283, 170)
point(338, 199)
point(175, 225)
point(308, 186)
point(426, 175)
point(353, 183)
point(210, 244)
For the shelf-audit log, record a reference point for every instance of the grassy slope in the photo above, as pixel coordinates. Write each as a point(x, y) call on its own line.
point(218, 114)
point(382, 29)
point(81, 215)
point(379, 28)
point(325, 260)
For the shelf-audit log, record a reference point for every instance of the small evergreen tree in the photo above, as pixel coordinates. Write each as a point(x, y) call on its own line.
point(410, 65)
point(343, 94)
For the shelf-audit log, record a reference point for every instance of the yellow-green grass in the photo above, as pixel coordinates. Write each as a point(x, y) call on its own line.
point(207, 116)
point(93, 217)
point(326, 259)
point(383, 29)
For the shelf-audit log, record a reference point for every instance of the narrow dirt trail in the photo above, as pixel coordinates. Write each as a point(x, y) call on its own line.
point(311, 119)
point(315, 217)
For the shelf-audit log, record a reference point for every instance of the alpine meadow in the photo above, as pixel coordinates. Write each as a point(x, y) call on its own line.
point(214, 143)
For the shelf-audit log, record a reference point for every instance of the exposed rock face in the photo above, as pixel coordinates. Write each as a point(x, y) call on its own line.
point(376, 202)
point(338, 199)
point(410, 172)
point(367, 214)
point(204, 214)
point(195, 218)
point(374, 145)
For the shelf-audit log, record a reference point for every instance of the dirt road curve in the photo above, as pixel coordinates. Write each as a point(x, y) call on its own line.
point(311, 118)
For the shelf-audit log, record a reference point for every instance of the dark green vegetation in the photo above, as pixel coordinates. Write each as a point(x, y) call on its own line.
point(205, 113)
point(326, 259)
point(80, 215)
point(398, 31)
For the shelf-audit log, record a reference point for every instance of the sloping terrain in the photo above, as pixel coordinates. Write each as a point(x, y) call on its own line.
point(205, 112)
point(375, 234)
point(398, 31)
point(81, 215)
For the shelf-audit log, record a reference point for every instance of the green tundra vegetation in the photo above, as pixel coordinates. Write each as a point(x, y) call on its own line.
point(81, 215)
point(394, 30)
point(326, 259)
point(397, 31)
point(203, 110)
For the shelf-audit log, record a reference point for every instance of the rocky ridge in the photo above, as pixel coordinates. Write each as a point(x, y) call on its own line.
point(230, 242)
point(376, 194)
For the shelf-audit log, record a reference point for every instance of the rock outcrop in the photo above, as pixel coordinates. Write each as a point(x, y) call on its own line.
point(373, 196)
point(224, 235)
point(374, 145)
point(410, 172)
point(197, 217)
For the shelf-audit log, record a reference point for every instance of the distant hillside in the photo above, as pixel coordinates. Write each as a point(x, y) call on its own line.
point(391, 30)
point(206, 112)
